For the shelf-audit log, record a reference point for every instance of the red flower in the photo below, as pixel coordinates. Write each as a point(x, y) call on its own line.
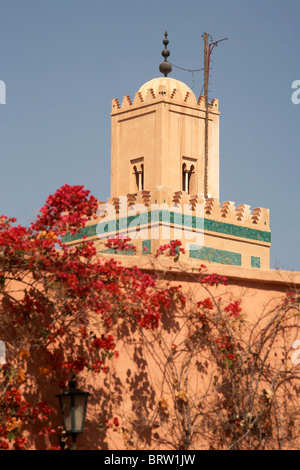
point(214, 280)
point(234, 309)
point(3, 445)
point(116, 422)
point(206, 303)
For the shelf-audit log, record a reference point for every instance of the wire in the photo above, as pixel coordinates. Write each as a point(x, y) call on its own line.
point(192, 71)
point(186, 70)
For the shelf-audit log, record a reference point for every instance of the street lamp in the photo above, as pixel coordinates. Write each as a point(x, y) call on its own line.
point(73, 404)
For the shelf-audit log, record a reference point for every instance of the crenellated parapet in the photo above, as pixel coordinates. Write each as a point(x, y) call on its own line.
point(171, 92)
point(210, 208)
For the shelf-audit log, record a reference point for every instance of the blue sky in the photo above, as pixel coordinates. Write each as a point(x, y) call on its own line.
point(63, 61)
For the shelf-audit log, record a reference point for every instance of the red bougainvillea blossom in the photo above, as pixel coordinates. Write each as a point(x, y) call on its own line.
point(234, 309)
point(60, 289)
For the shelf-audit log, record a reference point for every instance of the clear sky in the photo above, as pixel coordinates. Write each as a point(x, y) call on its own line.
point(63, 61)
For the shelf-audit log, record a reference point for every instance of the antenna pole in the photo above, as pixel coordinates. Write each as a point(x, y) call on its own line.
point(208, 48)
point(206, 74)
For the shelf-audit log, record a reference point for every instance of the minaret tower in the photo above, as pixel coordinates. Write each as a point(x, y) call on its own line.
point(157, 139)
point(165, 180)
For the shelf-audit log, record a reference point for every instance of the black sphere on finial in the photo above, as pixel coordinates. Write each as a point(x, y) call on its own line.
point(165, 67)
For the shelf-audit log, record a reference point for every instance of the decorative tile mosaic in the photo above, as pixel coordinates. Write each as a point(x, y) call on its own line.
point(255, 262)
point(214, 255)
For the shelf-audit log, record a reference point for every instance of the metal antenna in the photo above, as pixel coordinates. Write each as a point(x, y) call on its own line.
point(208, 48)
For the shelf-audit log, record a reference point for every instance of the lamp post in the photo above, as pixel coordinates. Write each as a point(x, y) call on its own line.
point(73, 404)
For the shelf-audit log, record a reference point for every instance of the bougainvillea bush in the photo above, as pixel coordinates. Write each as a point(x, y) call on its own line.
point(65, 310)
point(58, 307)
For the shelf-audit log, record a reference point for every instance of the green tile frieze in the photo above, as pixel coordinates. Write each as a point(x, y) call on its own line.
point(215, 255)
point(184, 220)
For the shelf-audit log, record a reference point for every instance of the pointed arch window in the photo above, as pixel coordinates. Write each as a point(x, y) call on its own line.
point(187, 172)
point(137, 174)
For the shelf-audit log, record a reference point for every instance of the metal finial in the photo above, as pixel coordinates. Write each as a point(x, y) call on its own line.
point(165, 67)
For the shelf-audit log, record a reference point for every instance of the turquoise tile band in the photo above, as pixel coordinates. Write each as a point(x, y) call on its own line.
point(215, 255)
point(173, 218)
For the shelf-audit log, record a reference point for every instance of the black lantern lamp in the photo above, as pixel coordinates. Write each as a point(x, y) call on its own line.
point(73, 404)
